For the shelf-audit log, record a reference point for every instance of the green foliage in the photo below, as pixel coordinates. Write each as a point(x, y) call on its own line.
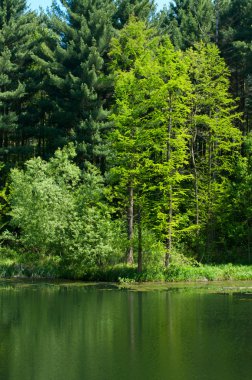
point(141, 9)
point(73, 58)
point(149, 142)
point(235, 44)
point(214, 143)
point(17, 26)
point(4, 205)
point(189, 21)
point(153, 251)
point(175, 140)
point(60, 212)
point(175, 148)
point(208, 273)
point(234, 231)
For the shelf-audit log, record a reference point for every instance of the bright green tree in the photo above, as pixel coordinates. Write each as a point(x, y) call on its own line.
point(171, 153)
point(234, 221)
point(149, 140)
point(131, 56)
point(215, 140)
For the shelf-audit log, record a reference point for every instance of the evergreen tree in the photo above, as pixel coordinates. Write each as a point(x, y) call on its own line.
point(16, 42)
point(189, 21)
point(235, 45)
point(76, 82)
point(44, 134)
point(141, 9)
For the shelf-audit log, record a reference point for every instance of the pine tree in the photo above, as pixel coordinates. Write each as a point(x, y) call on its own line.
point(189, 21)
point(235, 45)
point(75, 74)
point(16, 30)
point(141, 9)
point(39, 128)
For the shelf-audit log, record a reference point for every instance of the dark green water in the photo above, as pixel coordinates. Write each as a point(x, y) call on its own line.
point(50, 332)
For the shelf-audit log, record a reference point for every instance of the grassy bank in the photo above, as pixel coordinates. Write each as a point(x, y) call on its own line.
point(51, 268)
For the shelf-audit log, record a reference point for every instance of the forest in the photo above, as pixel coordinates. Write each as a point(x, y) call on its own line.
point(125, 137)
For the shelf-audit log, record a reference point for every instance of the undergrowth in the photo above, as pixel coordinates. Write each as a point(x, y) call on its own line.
point(15, 265)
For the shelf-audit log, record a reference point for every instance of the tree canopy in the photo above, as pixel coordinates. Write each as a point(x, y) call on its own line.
point(118, 122)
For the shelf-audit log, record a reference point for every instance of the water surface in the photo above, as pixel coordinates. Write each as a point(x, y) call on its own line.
point(98, 332)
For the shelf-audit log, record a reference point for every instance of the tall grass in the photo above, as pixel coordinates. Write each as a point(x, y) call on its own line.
point(14, 265)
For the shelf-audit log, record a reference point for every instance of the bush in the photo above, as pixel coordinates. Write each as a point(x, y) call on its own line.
point(60, 212)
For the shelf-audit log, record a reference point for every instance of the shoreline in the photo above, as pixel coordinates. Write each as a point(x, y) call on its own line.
point(126, 275)
point(227, 287)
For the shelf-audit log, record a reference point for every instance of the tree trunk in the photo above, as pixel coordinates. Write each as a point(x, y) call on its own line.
point(169, 238)
point(210, 196)
point(130, 258)
point(196, 187)
point(140, 247)
point(168, 156)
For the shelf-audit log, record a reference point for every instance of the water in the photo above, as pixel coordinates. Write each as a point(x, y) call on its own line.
point(52, 332)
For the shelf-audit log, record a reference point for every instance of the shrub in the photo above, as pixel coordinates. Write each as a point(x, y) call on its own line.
point(60, 211)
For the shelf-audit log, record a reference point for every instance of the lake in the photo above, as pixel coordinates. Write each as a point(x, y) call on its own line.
point(51, 331)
